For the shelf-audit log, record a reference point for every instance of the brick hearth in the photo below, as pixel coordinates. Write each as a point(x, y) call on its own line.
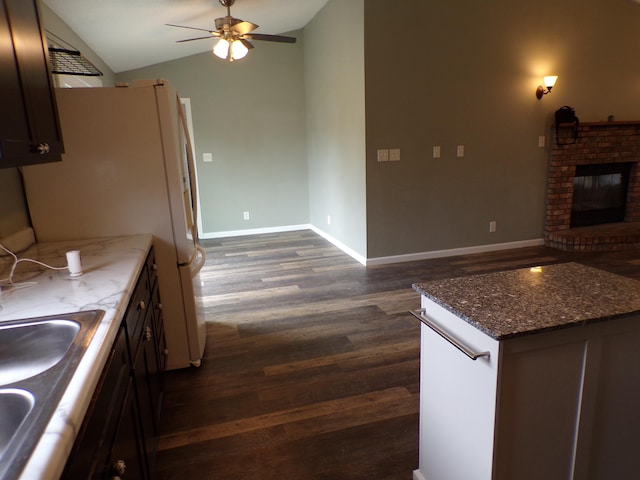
point(610, 142)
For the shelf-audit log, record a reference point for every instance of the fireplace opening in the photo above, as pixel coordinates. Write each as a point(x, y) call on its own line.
point(599, 193)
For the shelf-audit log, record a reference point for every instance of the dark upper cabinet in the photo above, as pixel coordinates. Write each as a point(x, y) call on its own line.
point(29, 126)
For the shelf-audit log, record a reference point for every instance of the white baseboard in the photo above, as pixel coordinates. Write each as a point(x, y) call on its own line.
point(352, 253)
point(417, 475)
point(253, 231)
point(412, 257)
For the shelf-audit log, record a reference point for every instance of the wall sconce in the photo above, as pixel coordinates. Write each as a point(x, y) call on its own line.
point(549, 82)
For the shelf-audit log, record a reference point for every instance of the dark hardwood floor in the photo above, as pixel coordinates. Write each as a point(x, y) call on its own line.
point(311, 365)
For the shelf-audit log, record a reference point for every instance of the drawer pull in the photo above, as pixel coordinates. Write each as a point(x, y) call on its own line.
point(142, 305)
point(119, 467)
point(420, 315)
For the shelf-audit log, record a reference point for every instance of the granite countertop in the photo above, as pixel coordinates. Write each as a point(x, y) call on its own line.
point(111, 267)
point(534, 300)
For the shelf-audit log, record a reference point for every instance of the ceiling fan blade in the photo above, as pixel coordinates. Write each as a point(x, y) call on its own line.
point(197, 38)
point(242, 27)
point(270, 38)
point(246, 43)
point(191, 28)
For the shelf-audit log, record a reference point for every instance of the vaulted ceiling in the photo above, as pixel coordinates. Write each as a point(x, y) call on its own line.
point(129, 34)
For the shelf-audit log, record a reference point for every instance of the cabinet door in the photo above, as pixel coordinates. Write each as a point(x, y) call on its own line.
point(457, 400)
point(148, 388)
point(29, 128)
point(90, 454)
point(127, 454)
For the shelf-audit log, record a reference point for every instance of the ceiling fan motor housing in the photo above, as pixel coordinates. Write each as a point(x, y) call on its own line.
point(227, 3)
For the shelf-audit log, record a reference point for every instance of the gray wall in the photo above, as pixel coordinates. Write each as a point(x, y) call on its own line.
point(437, 73)
point(463, 72)
point(250, 116)
point(334, 81)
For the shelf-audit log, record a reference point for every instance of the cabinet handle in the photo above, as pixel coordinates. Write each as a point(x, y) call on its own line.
point(142, 305)
point(147, 334)
point(154, 267)
point(119, 467)
point(159, 306)
point(420, 315)
point(42, 148)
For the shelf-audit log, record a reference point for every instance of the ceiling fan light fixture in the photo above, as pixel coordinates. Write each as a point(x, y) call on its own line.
point(221, 49)
point(230, 50)
point(238, 50)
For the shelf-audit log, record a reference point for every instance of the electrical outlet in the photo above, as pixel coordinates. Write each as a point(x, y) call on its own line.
point(460, 151)
point(436, 151)
point(383, 155)
point(207, 157)
point(394, 155)
point(246, 216)
point(541, 140)
point(492, 226)
point(328, 219)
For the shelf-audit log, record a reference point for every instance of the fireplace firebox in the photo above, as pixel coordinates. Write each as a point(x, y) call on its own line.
point(599, 193)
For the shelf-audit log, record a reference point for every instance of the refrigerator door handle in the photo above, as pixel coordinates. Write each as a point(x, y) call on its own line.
point(201, 258)
point(191, 166)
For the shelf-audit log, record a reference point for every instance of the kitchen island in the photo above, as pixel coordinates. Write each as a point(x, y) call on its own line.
point(530, 374)
point(111, 268)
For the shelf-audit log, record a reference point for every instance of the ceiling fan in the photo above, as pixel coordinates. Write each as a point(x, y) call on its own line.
point(234, 35)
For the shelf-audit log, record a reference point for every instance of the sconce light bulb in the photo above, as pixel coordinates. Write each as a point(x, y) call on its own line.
point(550, 81)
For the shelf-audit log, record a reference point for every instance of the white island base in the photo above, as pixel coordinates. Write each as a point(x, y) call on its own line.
point(562, 404)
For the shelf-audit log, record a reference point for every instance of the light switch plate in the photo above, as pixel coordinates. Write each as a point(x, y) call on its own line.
point(207, 157)
point(460, 151)
point(394, 155)
point(383, 155)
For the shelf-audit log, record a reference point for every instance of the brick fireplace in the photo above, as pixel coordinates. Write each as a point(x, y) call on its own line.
point(615, 143)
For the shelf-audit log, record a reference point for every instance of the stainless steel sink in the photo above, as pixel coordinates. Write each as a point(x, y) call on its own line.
point(38, 357)
point(15, 406)
point(28, 349)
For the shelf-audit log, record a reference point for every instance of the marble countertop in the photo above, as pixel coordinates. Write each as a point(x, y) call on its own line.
point(110, 269)
point(533, 300)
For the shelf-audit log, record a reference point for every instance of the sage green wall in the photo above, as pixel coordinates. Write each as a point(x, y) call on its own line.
point(334, 82)
point(250, 115)
point(464, 73)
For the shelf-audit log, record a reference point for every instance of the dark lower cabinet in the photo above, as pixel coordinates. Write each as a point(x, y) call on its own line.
point(119, 435)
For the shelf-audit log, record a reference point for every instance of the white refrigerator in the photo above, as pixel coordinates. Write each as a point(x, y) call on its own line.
point(127, 169)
